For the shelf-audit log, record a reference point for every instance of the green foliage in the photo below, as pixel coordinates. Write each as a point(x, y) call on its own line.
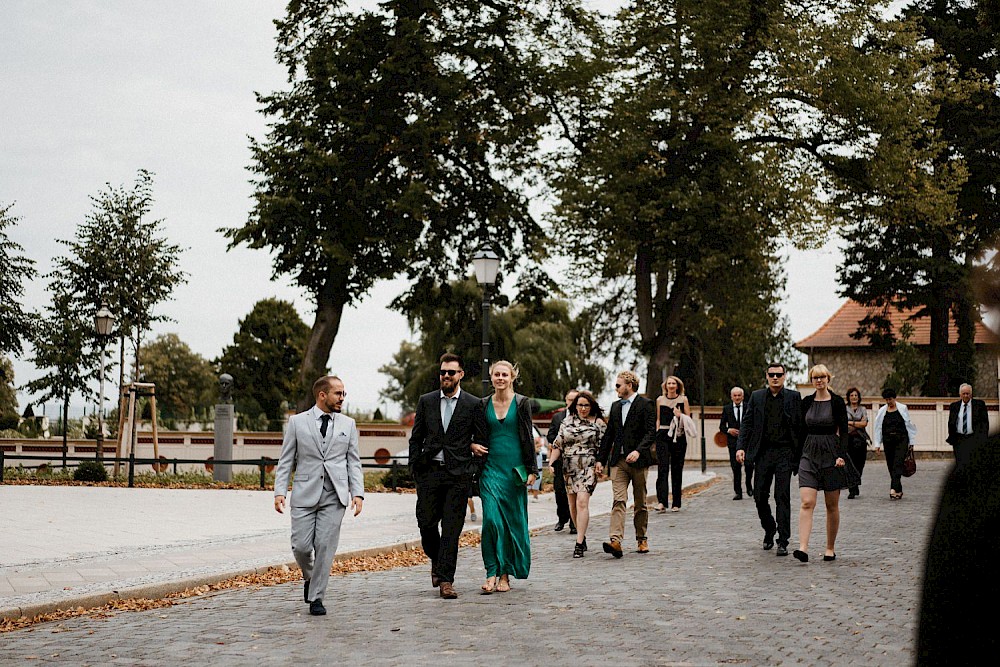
point(90, 471)
point(401, 475)
point(539, 335)
point(909, 365)
point(8, 394)
point(118, 256)
point(399, 144)
point(265, 359)
point(16, 323)
point(185, 381)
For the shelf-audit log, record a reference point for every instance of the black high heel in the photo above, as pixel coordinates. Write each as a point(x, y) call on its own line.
point(801, 556)
point(578, 550)
point(829, 558)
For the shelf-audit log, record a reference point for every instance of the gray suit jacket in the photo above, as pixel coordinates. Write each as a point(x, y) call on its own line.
point(305, 452)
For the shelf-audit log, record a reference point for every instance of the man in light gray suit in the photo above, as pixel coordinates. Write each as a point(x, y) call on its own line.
point(321, 445)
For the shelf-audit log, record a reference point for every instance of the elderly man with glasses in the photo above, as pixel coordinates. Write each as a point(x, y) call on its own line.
point(768, 439)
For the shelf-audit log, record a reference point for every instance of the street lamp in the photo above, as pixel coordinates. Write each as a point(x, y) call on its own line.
point(104, 322)
point(486, 264)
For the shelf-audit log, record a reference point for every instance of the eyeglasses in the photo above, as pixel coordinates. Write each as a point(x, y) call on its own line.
point(775, 375)
point(342, 394)
point(582, 405)
point(820, 377)
point(450, 372)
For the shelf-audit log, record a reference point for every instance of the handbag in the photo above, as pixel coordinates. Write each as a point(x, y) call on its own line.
point(909, 464)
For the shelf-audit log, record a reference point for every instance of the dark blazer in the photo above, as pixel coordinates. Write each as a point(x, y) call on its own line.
point(752, 428)
point(557, 420)
point(428, 436)
point(728, 421)
point(638, 433)
point(980, 420)
point(481, 431)
point(839, 419)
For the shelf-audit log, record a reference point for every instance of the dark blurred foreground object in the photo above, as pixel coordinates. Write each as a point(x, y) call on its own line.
point(959, 614)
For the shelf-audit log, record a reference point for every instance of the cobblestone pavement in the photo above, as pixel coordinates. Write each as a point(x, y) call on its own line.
point(707, 594)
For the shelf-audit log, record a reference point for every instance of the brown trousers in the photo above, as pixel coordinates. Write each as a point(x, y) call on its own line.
point(622, 474)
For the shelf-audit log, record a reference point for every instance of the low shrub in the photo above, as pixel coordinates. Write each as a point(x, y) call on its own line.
point(90, 471)
point(403, 478)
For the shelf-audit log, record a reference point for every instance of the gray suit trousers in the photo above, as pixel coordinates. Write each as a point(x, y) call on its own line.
point(315, 535)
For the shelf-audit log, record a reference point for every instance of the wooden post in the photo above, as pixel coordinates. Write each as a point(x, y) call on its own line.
point(156, 441)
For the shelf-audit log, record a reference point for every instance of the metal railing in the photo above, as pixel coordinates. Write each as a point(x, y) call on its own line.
point(263, 463)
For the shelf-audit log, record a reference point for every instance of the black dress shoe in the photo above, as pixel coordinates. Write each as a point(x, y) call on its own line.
point(560, 526)
point(829, 558)
point(738, 496)
point(782, 550)
point(572, 528)
point(801, 556)
point(305, 593)
point(768, 542)
point(316, 608)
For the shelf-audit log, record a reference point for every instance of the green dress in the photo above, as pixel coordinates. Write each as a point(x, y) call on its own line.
point(505, 545)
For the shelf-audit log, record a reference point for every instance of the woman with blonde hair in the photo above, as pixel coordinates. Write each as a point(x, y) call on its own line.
point(503, 437)
point(671, 443)
point(823, 461)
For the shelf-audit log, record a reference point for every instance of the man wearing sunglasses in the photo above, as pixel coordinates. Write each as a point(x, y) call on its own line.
point(769, 433)
point(441, 462)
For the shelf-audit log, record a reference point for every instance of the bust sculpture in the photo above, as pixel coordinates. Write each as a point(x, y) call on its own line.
point(226, 388)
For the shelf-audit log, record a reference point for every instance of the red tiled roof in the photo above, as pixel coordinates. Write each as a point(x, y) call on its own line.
point(836, 331)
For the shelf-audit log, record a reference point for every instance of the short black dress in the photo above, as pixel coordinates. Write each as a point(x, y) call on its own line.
point(817, 467)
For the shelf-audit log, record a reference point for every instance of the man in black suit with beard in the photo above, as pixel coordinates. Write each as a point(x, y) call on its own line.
point(769, 436)
point(442, 465)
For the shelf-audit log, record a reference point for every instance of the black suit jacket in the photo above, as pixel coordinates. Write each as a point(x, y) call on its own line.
point(638, 433)
point(980, 420)
point(428, 436)
point(752, 428)
point(728, 421)
point(557, 420)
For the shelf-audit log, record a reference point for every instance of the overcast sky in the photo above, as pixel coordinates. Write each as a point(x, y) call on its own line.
point(96, 90)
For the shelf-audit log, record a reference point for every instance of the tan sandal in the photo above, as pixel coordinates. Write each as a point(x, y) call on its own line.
point(503, 585)
point(489, 587)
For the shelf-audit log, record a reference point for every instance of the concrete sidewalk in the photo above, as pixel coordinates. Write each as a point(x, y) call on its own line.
point(72, 546)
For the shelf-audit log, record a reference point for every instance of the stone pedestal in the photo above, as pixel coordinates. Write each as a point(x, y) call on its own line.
point(224, 415)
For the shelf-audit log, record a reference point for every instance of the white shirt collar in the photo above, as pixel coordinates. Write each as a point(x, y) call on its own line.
point(441, 394)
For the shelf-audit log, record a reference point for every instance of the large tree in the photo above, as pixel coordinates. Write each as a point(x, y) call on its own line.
point(120, 256)
point(185, 381)
point(15, 322)
point(265, 358)
point(701, 136)
point(932, 206)
point(400, 145)
point(550, 347)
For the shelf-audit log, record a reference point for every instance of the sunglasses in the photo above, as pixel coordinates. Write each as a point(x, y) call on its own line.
point(820, 377)
point(450, 372)
point(618, 386)
point(775, 375)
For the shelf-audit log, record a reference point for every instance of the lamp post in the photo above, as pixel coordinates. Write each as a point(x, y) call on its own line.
point(486, 264)
point(104, 322)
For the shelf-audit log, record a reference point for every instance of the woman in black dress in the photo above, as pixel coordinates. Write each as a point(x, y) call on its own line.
point(823, 464)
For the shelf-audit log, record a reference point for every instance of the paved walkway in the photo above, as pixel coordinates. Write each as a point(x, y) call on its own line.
point(706, 595)
point(71, 546)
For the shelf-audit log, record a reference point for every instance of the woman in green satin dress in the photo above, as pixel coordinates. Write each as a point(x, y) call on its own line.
point(504, 439)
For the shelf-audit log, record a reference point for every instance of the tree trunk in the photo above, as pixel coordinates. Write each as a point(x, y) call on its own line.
point(330, 304)
point(937, 361)
point(658, 326)
point(963, 367)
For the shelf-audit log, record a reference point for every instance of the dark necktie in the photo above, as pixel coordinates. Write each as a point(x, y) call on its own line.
point(967, 411)
point(324, 422)
point(737, 410)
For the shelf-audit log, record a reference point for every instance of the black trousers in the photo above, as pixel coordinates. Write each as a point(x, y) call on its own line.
point(559, 484)
point(669, 468)
point(774, 466)
point(442, 499)
point(895, 452)
point(738, 472)
point(857, 451)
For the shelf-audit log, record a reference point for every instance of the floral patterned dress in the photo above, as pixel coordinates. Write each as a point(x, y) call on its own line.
point(579, 441)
